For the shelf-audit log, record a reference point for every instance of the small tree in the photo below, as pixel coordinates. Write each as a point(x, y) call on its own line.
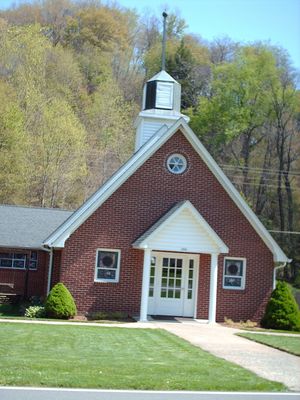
point(60, 303)
point(282, 311)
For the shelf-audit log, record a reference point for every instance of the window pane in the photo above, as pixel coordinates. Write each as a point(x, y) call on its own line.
point(170, 293)
point(179, 263)
point(164, 282)
point(234, 267)
point(190, 293)
point(33, 255)
point(5, 263)
point(151, 292)
point(190, 284)
point(153, 260)
point(178, 273)
point(232, 281)
point(32, 264)
point(178, 283)
point(191, 264)
point(171, 282)
point(163, 293)
point(191, 273)
point(19, 256)
point(172, 262)
point(19, 264)
point(177, 294)
point(5, 255)
point(151, 281)
point(152, 271)
point(106, 274)
point(165, 262)
point(107, 259)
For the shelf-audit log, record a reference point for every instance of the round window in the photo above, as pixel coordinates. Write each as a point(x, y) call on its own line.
point(176, 163)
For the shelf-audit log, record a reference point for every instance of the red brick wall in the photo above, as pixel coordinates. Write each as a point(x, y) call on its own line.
point(134, 207)
point(55, 277)
point(37, 279)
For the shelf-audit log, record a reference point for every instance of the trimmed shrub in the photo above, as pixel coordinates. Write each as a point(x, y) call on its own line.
point(60, 303)
point(282, 311)
point(35, 312)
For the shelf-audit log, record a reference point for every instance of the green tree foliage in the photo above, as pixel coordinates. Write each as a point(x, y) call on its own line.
point(239, 100)
point(72, 74)
point(60, 303)
point(282, 311)
point(187, 61)
point(57, 154)
point(13, 147)
point(100, 27)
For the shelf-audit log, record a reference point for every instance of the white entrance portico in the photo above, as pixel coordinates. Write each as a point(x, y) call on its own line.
point(172, 247)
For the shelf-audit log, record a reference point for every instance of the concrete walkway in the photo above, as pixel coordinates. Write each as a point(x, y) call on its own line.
point(221, 341)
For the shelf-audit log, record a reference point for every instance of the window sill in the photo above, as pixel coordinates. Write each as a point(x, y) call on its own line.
point(105, 281)
point(233, 288)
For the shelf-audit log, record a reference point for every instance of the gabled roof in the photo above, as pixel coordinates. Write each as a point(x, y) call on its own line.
point(184, 229)
point(59, 236)
point(27, 227)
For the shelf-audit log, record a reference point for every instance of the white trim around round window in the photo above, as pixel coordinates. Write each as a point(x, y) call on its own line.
point(176, 163)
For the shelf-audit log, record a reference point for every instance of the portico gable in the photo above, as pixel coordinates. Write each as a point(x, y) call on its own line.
point(182, 229)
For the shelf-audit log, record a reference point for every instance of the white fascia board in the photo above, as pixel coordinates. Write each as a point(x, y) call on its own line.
point(219, 244)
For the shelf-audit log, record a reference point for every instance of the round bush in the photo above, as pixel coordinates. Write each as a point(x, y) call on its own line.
point(282, 311)
point(60, 303)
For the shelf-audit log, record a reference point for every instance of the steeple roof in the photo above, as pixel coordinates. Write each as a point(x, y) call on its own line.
point(162, 76)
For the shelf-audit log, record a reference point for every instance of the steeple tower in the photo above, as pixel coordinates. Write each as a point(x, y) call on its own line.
point(161, 102)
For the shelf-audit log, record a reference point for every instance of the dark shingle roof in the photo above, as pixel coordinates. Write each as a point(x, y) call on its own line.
point(27, 227)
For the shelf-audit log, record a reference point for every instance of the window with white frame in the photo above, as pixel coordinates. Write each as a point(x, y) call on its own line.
point(33, 260)
point(13, 260)
point(107, 265)
point(19, 260)
point(234, 273)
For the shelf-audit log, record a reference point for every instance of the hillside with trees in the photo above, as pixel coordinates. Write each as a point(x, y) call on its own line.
point(71, 76)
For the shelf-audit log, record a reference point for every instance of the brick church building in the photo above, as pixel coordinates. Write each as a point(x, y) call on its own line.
point(167, 234)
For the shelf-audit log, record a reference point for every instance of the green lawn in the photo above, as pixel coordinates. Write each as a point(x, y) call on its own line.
point(286, 343)
point(119, 358)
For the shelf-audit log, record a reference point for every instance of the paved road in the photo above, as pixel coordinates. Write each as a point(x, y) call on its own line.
point(81, 394)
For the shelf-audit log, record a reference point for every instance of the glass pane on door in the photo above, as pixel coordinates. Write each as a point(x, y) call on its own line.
point(171, 281)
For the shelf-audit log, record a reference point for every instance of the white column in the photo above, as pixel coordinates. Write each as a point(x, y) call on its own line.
point(145, 285)
point(213, 288)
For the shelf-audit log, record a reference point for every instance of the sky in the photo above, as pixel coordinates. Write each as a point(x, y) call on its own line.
point(276, 21)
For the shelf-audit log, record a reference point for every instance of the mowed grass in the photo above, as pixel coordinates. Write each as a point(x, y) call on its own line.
point(119, 358)
point(288, 344)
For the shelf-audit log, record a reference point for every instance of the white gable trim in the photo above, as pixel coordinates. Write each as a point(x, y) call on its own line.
point(58, 238)
point(216, 244)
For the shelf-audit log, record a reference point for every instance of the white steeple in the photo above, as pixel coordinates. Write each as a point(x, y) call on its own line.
point(161, 103)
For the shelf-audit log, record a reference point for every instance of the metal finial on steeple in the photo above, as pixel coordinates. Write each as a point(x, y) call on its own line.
point(163, 55)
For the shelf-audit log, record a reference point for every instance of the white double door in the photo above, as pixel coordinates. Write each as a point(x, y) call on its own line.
point(173, 284)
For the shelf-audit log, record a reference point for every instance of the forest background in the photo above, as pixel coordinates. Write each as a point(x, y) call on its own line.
point(71, 77)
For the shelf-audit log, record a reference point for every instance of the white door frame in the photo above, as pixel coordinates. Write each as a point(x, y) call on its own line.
point(156, 300)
